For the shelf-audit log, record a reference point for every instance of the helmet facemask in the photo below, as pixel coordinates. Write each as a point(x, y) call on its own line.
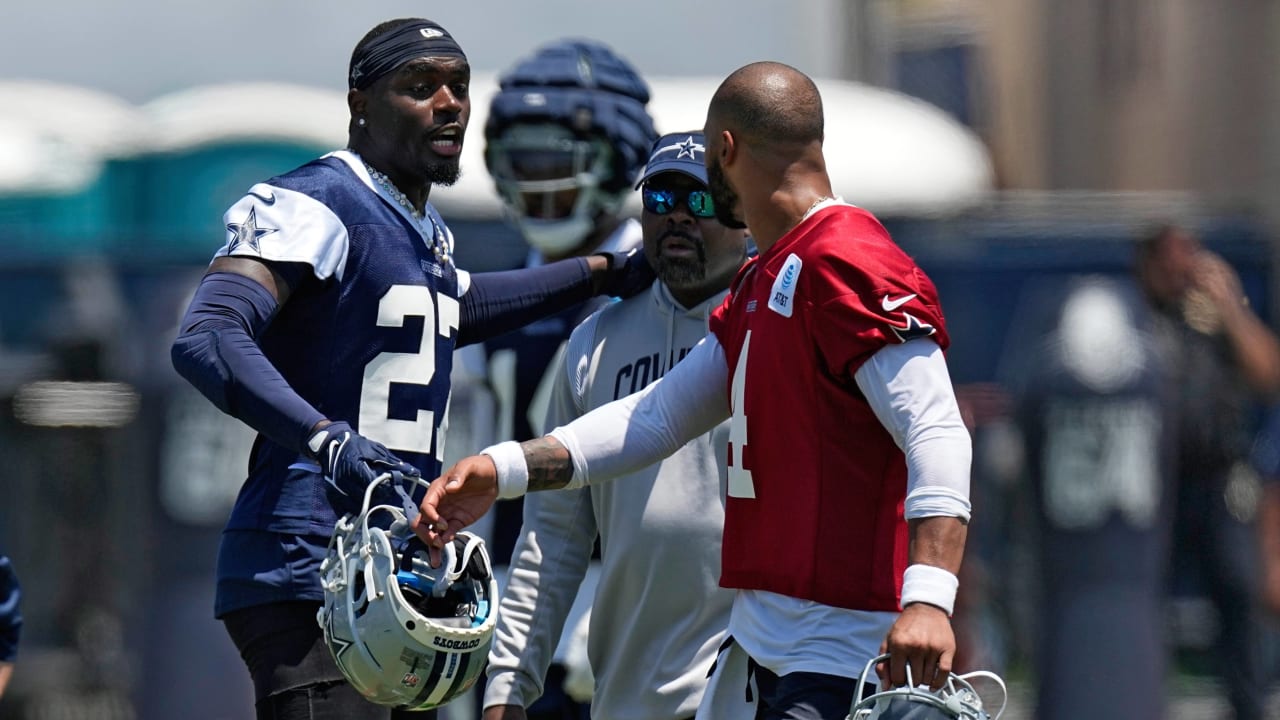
point(552, 183)
point(955, 700)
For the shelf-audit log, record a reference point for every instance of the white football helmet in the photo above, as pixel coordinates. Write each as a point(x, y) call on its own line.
point(955, 700)
point(405, 634)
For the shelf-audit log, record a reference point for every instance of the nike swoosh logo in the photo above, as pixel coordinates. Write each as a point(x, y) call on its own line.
point(270, 199)
point(891, 305)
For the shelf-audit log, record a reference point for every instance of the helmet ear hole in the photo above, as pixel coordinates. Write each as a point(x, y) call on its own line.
point(361, 593)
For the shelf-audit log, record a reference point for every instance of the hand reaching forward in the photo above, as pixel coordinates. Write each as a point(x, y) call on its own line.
point(456, 499)
point(921, 638)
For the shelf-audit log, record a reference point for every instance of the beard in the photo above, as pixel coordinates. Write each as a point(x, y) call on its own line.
point(723, 196)
point(442, 173)
point(682, 272)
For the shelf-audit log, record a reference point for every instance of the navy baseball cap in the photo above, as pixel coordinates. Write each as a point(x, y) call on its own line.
point(677, 152)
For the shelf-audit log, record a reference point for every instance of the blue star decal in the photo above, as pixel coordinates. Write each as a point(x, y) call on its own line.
point(914, 329)
point(342, 645)
point(247, 233)
point(687, 148)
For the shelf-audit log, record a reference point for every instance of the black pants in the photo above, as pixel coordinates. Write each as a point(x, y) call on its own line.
point(294, 676)
point(1210, 541)
point(801, 695)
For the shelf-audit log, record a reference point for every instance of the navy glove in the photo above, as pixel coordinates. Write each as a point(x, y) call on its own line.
point(350, 461)
point(629, 274)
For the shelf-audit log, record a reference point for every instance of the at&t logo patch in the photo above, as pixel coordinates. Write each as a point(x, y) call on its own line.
point(782, 297)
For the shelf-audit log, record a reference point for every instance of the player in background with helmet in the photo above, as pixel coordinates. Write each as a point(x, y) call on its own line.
point(327, 322)
point(565, 138)
point(848, 462)
point(658, 615)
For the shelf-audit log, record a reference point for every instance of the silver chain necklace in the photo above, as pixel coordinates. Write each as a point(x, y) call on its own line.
point(439, 244)
point(815, 205)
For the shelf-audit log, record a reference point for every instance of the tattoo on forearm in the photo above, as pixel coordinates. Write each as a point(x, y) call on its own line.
point(550, 466)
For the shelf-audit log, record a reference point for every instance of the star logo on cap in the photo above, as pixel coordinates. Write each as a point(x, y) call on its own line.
point(247, 233)
point(688, 148)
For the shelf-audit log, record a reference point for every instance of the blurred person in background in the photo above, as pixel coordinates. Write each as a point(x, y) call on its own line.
point(1266, 461)
point(1091, 401)
point(566, 136)
point(1221, 360)
point(327, 322)
point(10, 620)
point(658, 615)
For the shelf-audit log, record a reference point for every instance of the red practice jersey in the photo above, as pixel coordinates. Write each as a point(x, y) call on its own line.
point(816, 484)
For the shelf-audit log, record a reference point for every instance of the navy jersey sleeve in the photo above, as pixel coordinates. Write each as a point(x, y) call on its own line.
point(10, 611)
point(282, 225)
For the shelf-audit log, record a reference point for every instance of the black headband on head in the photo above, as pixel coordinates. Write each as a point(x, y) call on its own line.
point(389, 51)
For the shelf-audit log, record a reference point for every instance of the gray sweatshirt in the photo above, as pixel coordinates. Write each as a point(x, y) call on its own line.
point(659, 614)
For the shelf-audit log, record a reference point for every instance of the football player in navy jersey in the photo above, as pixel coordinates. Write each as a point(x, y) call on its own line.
point(848, 462)
point(327, 322)
point(563, 175)
point(566, 136)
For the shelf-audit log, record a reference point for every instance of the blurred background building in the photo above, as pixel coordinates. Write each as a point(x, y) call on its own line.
point(1005, 143)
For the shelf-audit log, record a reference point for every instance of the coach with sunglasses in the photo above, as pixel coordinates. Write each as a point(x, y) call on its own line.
point(658, 614)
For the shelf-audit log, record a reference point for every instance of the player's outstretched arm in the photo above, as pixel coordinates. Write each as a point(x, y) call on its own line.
point(466, 491)
point(456, 499)
point(499, 302)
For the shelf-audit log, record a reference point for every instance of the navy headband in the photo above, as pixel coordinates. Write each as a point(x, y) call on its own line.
point(385, 53)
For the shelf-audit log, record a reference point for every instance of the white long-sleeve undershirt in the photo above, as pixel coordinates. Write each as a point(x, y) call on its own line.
point(907, 386)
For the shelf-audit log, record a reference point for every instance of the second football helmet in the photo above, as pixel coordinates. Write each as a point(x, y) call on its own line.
point(955, 700)
point(405, 634)
point(566, 135)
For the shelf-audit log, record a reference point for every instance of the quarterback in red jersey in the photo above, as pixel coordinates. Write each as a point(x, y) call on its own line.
point(828, 295)
point(848, 465)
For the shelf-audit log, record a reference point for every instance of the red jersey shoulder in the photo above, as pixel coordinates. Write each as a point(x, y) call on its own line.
point(853, 251)
point(854, 263)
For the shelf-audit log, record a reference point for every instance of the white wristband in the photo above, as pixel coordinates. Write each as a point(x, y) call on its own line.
point(929, 584)
point(513, 471)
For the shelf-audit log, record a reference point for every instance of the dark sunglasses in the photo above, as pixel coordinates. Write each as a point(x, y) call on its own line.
point(662, 202)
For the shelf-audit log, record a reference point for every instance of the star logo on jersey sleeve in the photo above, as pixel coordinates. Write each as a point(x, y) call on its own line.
point(915, 329)
point(247, 233)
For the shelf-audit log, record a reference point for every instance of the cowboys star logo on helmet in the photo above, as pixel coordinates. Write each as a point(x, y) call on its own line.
point(405, 634)
point(955, 700)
